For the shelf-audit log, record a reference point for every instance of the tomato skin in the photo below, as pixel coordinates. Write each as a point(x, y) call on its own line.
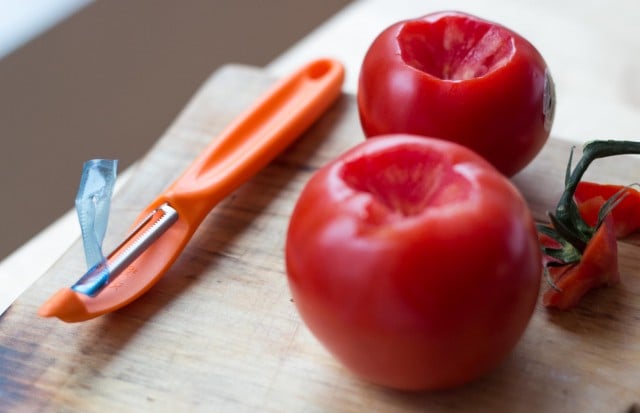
point(408, 297)
point(590, 197)
point(503, 114)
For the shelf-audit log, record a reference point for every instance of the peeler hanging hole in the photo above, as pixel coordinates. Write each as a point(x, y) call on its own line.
point(319, 69)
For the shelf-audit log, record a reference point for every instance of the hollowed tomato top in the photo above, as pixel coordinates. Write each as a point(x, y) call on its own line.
point(455, 47)
point(406, 180)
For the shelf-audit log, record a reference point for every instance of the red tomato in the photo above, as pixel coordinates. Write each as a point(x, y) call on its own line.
point(457, 77)
point(414, 261)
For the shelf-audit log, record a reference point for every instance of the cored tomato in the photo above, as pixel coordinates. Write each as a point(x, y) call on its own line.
point(414, 261)
point(457, 77)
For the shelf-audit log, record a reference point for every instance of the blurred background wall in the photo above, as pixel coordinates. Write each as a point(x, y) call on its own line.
point(108, 80)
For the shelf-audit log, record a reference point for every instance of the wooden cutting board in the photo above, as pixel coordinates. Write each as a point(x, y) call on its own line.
point(220, 332)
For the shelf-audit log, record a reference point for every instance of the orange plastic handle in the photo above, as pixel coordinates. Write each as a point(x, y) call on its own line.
point(249, 143)
point(246, 146)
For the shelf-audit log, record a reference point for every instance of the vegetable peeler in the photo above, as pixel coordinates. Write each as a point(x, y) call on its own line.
point(164, 227)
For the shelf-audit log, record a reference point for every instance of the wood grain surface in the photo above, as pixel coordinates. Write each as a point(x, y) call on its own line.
point(219, 333)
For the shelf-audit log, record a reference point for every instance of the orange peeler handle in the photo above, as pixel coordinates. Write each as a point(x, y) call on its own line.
point(239, 152)
point(249, 143)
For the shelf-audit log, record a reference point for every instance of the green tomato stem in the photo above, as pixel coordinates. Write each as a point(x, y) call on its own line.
point(567, 218)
